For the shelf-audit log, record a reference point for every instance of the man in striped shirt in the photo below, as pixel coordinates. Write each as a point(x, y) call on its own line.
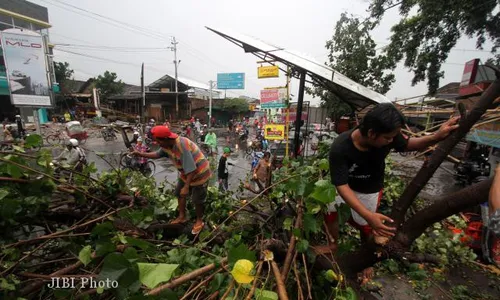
point(193, 167)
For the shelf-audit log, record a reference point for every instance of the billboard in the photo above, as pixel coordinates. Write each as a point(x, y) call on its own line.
point(231, 81)
point(26, 68)
point(268, 72)
point(274, 132)
point(470, 71)
point(273, 97)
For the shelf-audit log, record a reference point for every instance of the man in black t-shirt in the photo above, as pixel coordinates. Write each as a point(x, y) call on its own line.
point(357, 164)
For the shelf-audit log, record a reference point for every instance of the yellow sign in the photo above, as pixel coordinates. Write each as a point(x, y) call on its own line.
point(274, 132)
point(252, 107)
point(268, 72)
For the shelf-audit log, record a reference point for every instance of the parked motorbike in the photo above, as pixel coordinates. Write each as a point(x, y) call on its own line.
point(108, 133)
point(472, 170)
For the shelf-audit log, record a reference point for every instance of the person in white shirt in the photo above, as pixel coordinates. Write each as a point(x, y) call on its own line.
point(72, 155)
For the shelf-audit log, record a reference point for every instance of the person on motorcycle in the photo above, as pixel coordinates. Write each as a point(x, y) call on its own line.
point(197, 125)
point(7, 134)
point(72, 155)
point(140, 162)
point(135, 137)
point(211, 140)
point(21, 132)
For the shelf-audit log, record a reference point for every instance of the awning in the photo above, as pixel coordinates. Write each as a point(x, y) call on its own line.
point(351, 92)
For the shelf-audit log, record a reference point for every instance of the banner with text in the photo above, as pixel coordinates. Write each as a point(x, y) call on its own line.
point(268, 72)
point(274, 132)
point(25, 62)
point(273, 98)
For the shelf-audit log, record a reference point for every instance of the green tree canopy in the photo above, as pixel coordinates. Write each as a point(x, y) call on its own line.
point(63, 73)
point(428, 30)
point(235, 105)
point(109, 85)
point(353, 53)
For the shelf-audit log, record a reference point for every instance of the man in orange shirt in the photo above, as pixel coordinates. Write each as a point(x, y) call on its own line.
point(194, 171)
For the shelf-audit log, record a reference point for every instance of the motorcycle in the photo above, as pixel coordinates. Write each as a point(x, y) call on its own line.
point(108, 133)
point(472, 170)
point(243, 135)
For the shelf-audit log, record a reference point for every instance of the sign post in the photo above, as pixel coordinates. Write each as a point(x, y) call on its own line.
point(24, 55)
point(231, 81)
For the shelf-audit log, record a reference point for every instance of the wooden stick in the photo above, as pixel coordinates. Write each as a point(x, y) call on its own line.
point(23, 258)
point(307, 277)
point(184, 278)
point(38, 284)
point(293, 241)
point(279, 281)
point(201, 284)
point(229, 289)
point(254, 284)
point(297, 278)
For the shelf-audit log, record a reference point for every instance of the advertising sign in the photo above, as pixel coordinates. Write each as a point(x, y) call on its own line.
point(273, 97)
point(470, 71)
point(24, 55)
point(274, 132)
point(231, 81)
point(268, 72)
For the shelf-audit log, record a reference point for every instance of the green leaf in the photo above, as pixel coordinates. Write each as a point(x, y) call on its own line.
point(3, 193)
point(302, 246)
point(104, 247)
point(300, 188)
point(115, 265)
point(102, 229)
point(85, 255)
point(265, 295)
point(287, 224)
point(217, 282)
point(14, 171)
point(33, 140)
point(153, 274)
point(313, 207)
point(324, 192)
point(344, 213)
point(310, 225)
point(138, 243)
point(18, 149)
point(240, 252)
point(323, 164)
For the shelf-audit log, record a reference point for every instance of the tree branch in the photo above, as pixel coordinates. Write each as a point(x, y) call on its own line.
point(443, 148)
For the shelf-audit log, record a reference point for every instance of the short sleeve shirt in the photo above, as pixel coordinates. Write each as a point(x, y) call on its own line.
point(188, 163)
point(362, 170)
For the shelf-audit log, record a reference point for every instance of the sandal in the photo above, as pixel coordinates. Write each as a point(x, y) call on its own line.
point(197, 228)
point(176, 222)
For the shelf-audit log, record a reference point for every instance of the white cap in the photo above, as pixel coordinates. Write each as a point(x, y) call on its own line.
point(136, 132)
point(73, 142)
point(139, 139)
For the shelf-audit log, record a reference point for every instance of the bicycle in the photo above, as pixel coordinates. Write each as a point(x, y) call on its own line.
point(127, 161)
point(54, 138)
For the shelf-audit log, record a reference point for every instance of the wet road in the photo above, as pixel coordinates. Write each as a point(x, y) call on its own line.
point(441, 183)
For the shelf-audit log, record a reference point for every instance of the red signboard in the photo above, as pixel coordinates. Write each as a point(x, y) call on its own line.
point(470, 70)
point(269, 96)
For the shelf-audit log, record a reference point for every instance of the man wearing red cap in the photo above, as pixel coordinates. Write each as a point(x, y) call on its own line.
point(194, 170)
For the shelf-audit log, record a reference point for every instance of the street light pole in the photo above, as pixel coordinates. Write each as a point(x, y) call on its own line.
point(210, 105)
point(176, 63)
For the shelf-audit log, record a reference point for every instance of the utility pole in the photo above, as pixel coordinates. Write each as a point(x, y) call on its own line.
point(176, 63)
point(210, 105)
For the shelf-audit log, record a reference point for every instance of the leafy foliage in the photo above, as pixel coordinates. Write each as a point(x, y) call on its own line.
point(353, 53)
point(235, 105)
point(428, 31)
point(109, 85)
point(63, 73)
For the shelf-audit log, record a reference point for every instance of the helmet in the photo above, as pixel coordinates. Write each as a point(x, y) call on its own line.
point(18, 116)
point(205, 125)
point(72, 142)
point(139, 139)
point(136, 132)
point(152, 120)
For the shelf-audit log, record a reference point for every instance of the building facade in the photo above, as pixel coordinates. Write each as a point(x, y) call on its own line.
point(25, 15)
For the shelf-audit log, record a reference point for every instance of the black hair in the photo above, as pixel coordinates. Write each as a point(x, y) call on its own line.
point(383, 118)
point(267, 154)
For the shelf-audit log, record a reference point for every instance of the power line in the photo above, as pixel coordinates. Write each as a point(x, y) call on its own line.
point(109, 60)
point(107, 20)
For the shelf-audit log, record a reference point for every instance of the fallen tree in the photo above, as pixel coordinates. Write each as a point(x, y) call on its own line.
point(115, 227)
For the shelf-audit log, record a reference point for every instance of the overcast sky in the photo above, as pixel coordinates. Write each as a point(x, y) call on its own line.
point(300, 25)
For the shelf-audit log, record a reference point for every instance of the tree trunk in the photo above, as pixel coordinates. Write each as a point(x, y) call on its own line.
point(371, 253)
point(443, 148)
